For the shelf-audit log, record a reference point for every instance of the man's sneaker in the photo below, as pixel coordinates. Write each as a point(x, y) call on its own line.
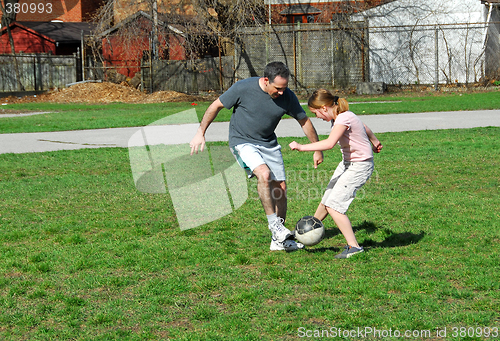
point(288, 245)
point(349, 251)
point(279, 231)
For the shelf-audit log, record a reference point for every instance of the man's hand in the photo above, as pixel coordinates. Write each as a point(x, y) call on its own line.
point(198, 141)
point(318, 155)
point(318, 158)
point(312, 135)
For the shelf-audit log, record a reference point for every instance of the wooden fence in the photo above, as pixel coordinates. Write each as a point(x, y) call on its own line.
point(38, 72)
point(189, 76)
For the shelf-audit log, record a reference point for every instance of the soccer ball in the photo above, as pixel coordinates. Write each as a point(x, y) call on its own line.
point(309, 230)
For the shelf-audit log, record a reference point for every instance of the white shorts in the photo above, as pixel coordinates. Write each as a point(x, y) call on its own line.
point(250, 156)
point(346, 180)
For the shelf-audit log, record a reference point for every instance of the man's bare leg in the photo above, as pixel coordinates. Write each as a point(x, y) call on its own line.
point(278, 194)
point(263, 174)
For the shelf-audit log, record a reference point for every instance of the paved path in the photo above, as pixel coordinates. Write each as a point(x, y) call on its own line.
point(177, 134)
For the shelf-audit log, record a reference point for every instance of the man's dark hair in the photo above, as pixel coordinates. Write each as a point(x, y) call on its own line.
point(274, 69)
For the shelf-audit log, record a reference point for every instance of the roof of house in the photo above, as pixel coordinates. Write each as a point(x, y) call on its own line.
point(176, 28)
point(61, 32)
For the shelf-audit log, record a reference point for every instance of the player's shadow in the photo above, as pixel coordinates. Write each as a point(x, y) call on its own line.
point(395, 240)
point(391, 239)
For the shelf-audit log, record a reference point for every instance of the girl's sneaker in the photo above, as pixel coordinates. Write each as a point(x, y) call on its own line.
point(349, 251)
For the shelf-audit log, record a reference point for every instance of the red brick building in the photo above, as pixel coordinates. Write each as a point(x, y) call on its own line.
point(126, 8)
point(44, 37)
point(128, 43)
point(48, 26)
point(61, 10)
point(315, 11)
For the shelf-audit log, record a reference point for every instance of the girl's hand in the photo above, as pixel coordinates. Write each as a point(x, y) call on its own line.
point(377, 148)
point(294, 146)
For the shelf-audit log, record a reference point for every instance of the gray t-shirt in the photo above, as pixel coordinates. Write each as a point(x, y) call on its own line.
point(256, 114)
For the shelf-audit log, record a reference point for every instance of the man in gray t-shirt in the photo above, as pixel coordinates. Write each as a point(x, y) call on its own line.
point(256, 114)
point(258, 105)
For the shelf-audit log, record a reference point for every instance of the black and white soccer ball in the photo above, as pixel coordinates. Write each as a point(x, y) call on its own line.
point(309, 230)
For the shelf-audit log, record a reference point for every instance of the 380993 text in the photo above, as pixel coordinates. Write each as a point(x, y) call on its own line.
point(25, 8)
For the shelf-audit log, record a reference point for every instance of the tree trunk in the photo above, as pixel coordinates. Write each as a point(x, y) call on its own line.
point(7, 19)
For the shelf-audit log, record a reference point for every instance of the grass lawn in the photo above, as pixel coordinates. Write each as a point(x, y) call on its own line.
point(83, 116)
point(85, 256)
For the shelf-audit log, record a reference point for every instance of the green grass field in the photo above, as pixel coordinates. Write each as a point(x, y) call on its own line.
point(86, 256)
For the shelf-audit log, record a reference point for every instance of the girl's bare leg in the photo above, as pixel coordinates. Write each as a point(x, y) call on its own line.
point(344, 225)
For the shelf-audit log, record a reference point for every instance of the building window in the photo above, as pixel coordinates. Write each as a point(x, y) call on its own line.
point(303, 13)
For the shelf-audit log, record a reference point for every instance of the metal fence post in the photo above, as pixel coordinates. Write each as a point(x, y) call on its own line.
point(268, 38)
point(332, 41)
point(436, 45)
point(34, 73)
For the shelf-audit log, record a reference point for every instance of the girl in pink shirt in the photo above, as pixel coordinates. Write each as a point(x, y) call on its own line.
point(357, 143)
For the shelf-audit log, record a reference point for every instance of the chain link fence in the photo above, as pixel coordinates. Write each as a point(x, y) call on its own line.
point(317, 55)
point(326, 55)
point(440, 54)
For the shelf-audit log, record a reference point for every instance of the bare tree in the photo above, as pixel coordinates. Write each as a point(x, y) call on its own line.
point(401, 32)
point(447, 73)
point(208, 22)
point(8, 17)
point(202, 27)
point(225, 17)
point(8, 14)
point(126, 34)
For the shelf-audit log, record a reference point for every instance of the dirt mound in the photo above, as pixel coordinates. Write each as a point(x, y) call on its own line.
point(107, 93)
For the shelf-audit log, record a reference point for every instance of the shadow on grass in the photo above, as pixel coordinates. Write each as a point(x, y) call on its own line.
point(391, 239)
point(395, 240)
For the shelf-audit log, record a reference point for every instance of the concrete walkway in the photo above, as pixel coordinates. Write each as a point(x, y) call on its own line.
point(178, 134)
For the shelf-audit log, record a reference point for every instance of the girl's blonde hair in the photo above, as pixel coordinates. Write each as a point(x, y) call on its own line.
point(323, 97)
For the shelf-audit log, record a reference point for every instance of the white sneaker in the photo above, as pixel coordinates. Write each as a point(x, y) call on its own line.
point(279, 231)
point(288, 245)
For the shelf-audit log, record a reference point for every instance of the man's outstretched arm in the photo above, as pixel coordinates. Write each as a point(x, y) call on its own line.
point(312, 135)
point(198, 140)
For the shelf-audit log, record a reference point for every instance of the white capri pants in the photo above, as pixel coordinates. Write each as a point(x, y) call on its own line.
point(346, 180)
